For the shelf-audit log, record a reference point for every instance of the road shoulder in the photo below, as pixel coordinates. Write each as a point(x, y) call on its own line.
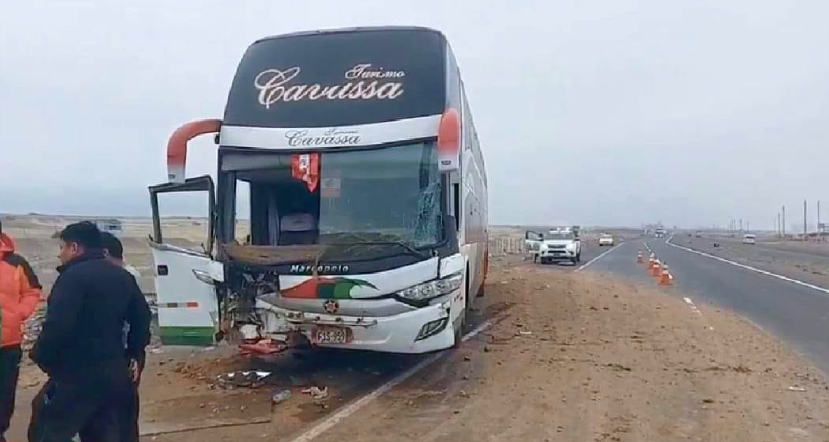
point(582, 357)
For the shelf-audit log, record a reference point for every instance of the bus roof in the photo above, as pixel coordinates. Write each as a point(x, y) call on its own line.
point(352, 29)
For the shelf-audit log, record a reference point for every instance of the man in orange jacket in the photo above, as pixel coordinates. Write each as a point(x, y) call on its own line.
point(20, 293)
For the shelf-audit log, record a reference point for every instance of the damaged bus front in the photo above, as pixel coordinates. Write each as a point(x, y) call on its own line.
point(350, 207)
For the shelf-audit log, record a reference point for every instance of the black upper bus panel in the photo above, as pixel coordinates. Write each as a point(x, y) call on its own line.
point(339, 78)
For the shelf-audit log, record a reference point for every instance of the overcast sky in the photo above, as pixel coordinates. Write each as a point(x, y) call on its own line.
point(618, 112)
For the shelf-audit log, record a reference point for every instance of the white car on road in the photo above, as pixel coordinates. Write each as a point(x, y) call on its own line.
point(554, 246)
point(606, 239)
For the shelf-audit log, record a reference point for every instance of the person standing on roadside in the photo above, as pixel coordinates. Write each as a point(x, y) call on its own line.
point(81, 345)
point(20, 292)
point(114, 252)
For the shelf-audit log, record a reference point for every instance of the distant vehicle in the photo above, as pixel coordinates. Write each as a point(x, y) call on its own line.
point(606, 239)
point(749, 239)
point(554, 246)
point(660, 233)
point(110, 225)
point(698, 234)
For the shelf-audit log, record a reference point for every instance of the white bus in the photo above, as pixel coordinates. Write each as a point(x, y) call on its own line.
point(363, 220)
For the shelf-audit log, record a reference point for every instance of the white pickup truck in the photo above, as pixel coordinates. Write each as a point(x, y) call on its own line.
point(554, 246)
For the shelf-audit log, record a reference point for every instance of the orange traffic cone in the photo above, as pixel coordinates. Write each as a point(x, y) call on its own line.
point(656, 269)
point(639, 258)
point(666, 276)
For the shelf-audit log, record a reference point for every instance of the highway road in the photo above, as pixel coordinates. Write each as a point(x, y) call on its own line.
point(797, 314)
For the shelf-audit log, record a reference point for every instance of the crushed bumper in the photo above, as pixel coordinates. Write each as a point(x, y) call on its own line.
point(392, 334)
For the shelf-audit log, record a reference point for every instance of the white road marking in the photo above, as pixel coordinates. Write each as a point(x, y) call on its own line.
point(476, 331)
point(587, 264)
point(355, 406)
point(753, 269)
point(693, 306)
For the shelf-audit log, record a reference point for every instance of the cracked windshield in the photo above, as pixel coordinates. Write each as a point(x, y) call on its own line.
point(374, 221)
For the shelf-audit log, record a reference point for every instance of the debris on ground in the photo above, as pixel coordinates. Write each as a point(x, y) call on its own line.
point(317, 393)
point(619, 367)
point(263, 347)
point(741, 369)
point(280, 396)
point(249, 379)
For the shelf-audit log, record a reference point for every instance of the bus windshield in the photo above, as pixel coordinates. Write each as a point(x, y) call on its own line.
point(377, 196)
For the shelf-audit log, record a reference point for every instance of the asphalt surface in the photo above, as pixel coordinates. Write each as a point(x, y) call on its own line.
point(797, 315)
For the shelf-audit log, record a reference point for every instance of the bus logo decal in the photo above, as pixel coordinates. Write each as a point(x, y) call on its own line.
point(362, 82)
point(329, 137)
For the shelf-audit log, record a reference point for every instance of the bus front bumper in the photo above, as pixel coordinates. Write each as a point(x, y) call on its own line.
point(420, 330)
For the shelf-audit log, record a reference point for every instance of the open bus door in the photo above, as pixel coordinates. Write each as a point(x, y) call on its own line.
point(185, 278)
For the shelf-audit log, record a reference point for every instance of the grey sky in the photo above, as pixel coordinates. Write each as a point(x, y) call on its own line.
point(596, 112)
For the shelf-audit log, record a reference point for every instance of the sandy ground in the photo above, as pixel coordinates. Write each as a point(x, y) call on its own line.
point(571, 356)
point(605, 361)
point(808, 261)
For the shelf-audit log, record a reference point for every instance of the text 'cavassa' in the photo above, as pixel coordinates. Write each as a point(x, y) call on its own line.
point(362, 83)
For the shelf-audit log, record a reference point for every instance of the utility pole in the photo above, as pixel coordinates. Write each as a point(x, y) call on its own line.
point(778, 224)
point(819, 230)
point(804, 220)
point(784, 221)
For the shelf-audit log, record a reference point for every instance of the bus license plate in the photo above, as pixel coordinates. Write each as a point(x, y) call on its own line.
point(332, 335)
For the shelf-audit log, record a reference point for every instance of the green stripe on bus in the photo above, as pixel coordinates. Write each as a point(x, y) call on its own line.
point(197, 336)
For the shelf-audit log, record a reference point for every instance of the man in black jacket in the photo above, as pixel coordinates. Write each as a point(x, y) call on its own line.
point(81, 344)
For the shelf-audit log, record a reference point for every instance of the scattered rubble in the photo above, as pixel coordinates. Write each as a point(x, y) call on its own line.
point(249, 379)
point(280, 396)
point(317, 393)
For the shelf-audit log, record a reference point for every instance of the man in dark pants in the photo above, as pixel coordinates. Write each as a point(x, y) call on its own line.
point(19, 296)
point(81, 345)
point(114, 252)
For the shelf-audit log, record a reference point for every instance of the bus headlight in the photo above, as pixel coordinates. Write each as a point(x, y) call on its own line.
point(433, 289)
